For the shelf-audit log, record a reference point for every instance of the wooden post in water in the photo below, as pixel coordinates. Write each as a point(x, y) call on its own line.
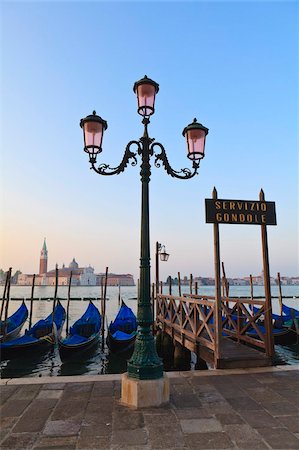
point(8, 274)
point(179, 284)
point(31, 301)
point(102, 290)
point(161, 287)
point(118, 300)
point(191, 283)
point(170, 285)
point(280, 293)
point(251, 291)
point(68, 303)
point(268, 303)
point(6, 305)
point(225, 282)
point(55, 296)
point(196, 287)
point(103, 309)
point(218, 308)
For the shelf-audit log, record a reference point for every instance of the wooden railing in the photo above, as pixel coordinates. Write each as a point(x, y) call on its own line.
point(193, 316)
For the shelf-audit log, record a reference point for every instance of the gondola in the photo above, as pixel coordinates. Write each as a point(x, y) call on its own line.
point(283, 330)
point(282, 336)
point(83, 335)
point(14, 323)
point(122, 332)
point(38, 338)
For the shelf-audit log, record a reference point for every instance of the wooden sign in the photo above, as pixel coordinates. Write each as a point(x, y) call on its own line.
point(247, 212)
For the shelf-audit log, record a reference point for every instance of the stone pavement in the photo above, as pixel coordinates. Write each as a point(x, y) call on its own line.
point(235, 409)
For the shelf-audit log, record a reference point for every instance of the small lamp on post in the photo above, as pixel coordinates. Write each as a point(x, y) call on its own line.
point(163, 255)
point(160, 252)
point(145, 363)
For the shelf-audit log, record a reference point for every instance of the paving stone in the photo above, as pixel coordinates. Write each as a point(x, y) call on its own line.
point(96, 430)
point(214, 440)
point(231, 392)
point(127, 420)
point(245, 381)
point(222, 407)
point(262, 394)
point(50, 393)
point(156, 410)
point(14, 408)
point(211, 397)
point(27, 392)
point(242, 434)
point(229, 419)
point(280, 409)
point(130, 437)
point(78, 388)
point(35, 417)
point(55, 386)
point(279, 438)
point(69, 409)
point(21, 441)
point(290, 422)
point(56, 443)
point(200, 425)
point(6, 392)
point(171, 436)
point(61, 428)
point(258, 419)
point(161, 419)
point(243, 404)
point(7, 424)
point(193, 413)
point(93, 442)
point(290, 395)
point(187, 401)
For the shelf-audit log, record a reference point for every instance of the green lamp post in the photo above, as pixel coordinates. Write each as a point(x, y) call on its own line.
point(144, 363)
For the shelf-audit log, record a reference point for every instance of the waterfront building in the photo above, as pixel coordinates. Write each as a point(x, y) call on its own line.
point(81, 276)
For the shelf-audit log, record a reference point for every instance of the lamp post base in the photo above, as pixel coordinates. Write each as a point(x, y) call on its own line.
point(144, 393)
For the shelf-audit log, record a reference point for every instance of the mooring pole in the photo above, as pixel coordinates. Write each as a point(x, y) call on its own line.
point(218, 322)
point(31, 301)
point(179, 284)
point(280, 293)
point(103, 310)
point(268, 302)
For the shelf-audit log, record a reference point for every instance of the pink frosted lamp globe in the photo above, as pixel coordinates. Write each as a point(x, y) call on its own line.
point(93, 131)
point(195, 134)
point(146, 90)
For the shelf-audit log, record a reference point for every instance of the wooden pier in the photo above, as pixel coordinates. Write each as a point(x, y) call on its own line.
point(190, 320)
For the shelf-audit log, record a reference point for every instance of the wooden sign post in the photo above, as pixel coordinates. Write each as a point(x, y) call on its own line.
point(218, 311)
point(246, 212)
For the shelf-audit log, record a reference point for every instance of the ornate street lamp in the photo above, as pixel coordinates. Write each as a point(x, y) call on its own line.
point(145, 363)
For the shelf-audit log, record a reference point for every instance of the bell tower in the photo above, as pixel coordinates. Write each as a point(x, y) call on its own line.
point(43, 262)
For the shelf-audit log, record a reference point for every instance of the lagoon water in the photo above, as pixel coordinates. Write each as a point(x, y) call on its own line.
point(100, 362)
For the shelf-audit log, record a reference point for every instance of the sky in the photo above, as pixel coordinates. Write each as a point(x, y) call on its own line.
point(232, 65)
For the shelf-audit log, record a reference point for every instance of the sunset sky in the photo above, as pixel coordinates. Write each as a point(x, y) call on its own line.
point(232, 65)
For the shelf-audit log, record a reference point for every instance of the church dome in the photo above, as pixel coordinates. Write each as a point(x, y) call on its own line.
point(73, 264)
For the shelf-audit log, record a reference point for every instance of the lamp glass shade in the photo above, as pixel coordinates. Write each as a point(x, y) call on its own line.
point(164, 256)
point(196, 139)
point(146, 99)
point(93, 136)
